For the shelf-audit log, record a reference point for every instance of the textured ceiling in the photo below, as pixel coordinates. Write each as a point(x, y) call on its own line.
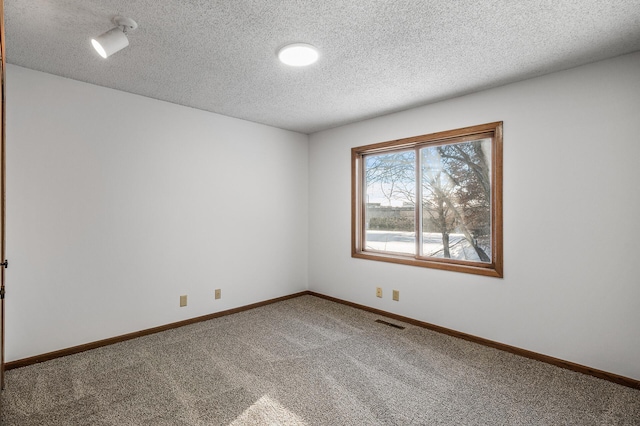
point(377, 57)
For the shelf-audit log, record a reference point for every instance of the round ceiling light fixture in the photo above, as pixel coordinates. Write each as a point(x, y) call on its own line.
point(298, 54)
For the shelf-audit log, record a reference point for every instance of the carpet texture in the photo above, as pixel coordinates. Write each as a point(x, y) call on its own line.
point(307, 361)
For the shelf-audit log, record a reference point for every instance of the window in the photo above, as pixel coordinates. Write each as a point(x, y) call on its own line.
point(433, 200)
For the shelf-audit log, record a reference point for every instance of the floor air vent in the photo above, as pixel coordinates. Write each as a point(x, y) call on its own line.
point(390, 324)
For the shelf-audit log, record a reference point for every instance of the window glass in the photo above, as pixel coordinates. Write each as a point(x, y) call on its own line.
point(456, 200)
point(390, 200)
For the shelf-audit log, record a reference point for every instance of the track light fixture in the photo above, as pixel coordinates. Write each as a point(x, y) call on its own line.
point(115, 39)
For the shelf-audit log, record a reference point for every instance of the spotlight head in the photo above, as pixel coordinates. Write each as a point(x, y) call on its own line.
point(115, 39)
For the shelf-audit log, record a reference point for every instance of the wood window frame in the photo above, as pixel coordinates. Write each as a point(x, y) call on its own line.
point(494, 268)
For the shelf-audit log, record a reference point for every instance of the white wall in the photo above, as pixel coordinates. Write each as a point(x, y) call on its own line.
point(571, 219)
point(118, 204)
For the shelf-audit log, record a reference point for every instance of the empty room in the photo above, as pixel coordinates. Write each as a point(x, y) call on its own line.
point(320, 213)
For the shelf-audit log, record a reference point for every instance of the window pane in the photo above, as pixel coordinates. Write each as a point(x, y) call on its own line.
point(390, 202)
point(456, 200)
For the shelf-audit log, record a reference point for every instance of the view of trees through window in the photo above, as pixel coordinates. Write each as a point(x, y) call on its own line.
point(391, 194)
point(456, 200)
point(430, 199)
point(455, 194)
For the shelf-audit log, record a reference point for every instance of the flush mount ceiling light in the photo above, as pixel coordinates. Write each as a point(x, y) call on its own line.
point(298, 54)
point(115, 39)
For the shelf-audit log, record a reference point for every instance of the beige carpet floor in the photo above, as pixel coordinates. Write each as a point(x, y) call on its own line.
point(307, 361)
